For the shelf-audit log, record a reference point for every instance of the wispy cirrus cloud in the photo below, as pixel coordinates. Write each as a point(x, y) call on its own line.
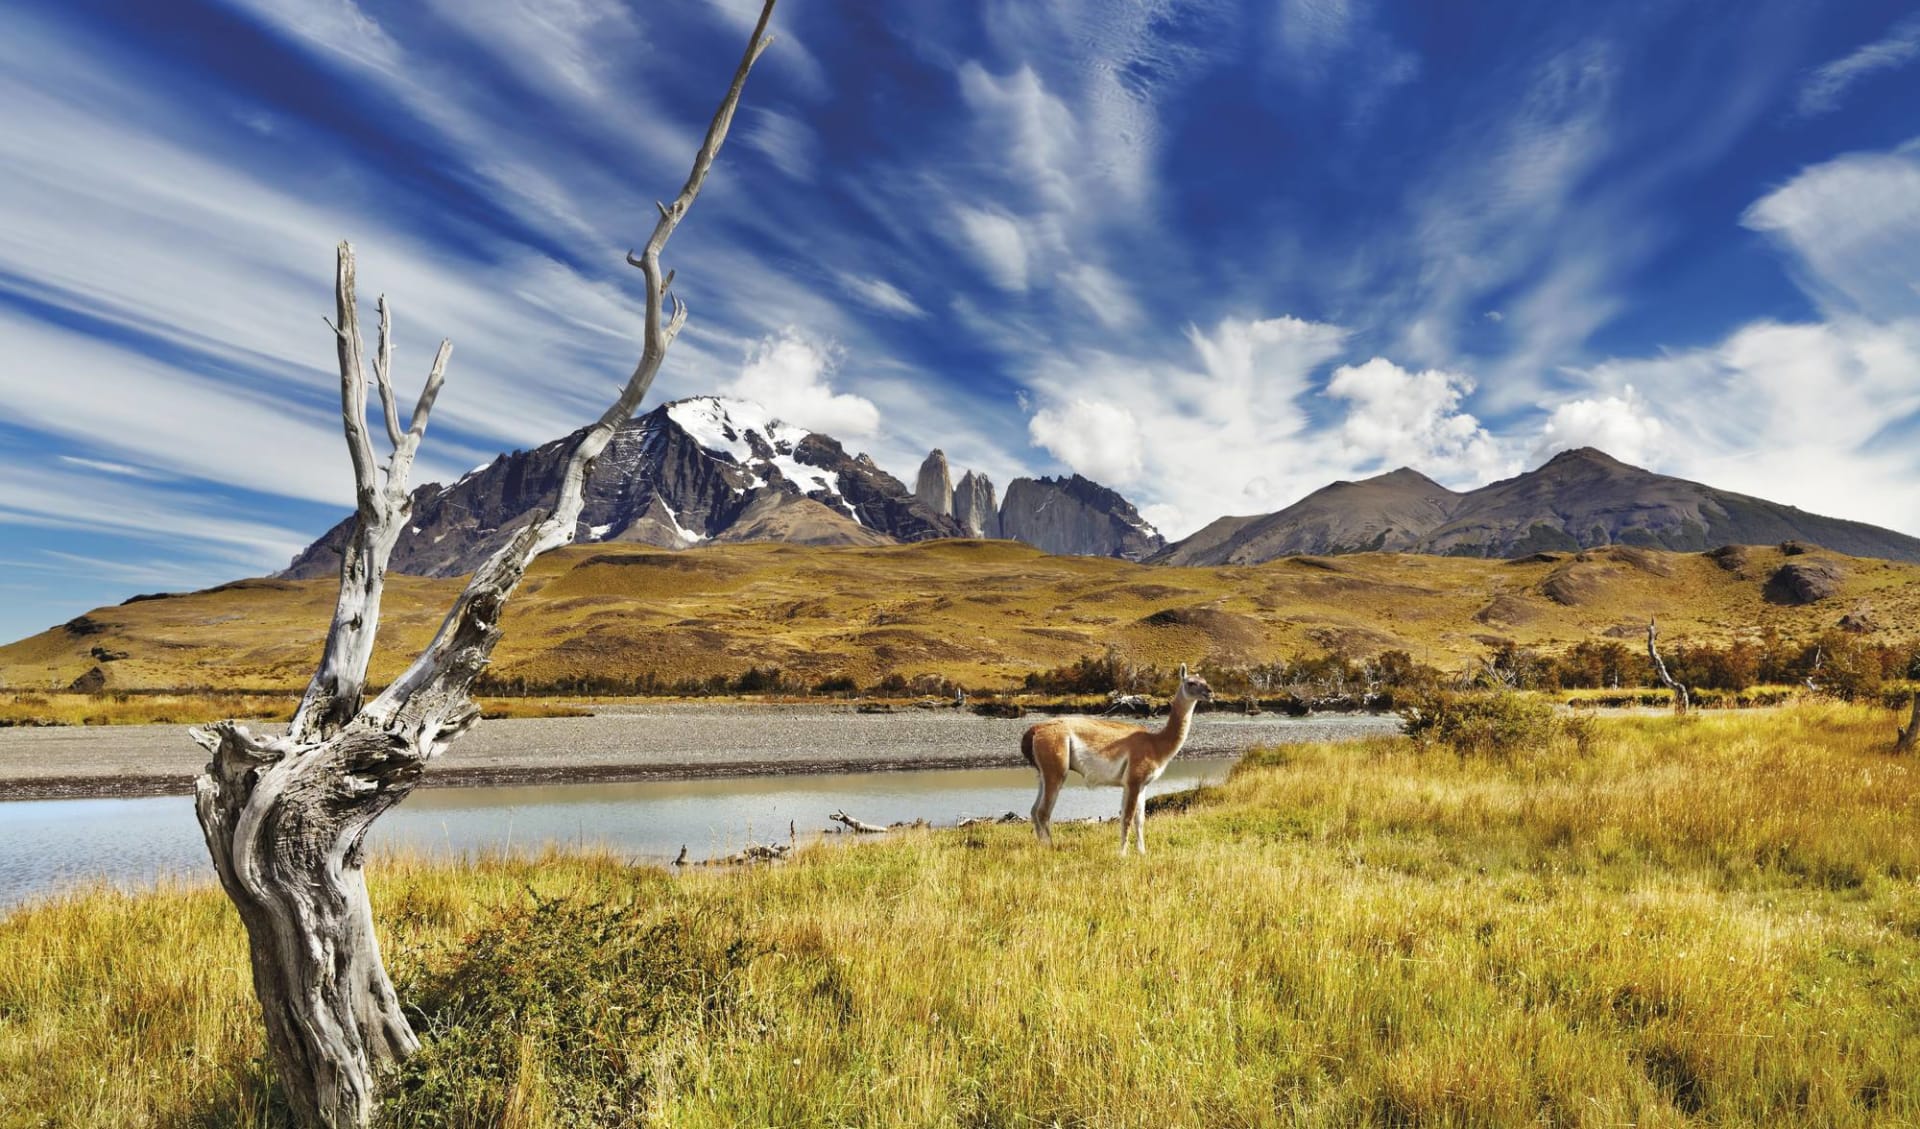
point(1827, 86)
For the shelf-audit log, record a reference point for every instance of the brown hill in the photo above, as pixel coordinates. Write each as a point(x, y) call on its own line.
point(1580, 499)
point(983, 612)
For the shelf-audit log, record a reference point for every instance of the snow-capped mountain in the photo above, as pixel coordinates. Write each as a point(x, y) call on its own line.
point(693, 470)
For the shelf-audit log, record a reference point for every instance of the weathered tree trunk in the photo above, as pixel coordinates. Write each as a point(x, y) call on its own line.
point(1909, 737)
point(284, 824)
point(1680, 702)
point(286, 817)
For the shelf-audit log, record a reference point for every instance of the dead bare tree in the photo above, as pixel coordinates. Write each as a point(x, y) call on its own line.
point(1680, 701)
point(285, 817)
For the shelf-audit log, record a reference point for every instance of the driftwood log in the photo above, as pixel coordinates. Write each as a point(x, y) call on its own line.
point(1680, 701)
point(858, 827)
point(285, 817)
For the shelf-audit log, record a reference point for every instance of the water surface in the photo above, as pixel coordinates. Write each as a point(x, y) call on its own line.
point(49, 845)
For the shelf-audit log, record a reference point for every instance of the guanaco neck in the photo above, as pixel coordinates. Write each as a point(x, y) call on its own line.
point(1174, 733)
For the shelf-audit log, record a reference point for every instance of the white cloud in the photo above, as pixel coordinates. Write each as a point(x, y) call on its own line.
point(1824, 88)
point(1853, 223)
point(1313, 32)
point(1095, 438)
point(997, 244)
point(106, 467)
point(787, 374)
point(1223, 431)
point(1622, 425)
point(1399, 417)
point(785, 140)
point(882, 295)
point(1103, 295)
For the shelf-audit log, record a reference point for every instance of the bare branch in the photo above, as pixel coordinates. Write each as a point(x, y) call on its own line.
point(383, 375)
point(1680, 702)
point(427, 395)
point(353, 380)
point(442, 673)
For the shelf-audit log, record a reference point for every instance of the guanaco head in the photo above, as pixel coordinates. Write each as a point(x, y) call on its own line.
point(1193, 686)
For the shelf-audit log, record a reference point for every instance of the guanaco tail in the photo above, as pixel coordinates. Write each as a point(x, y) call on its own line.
point(1111, 753)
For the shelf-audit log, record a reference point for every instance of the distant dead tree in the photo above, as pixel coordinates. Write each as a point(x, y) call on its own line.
point(1680, 702)
point(285, 817)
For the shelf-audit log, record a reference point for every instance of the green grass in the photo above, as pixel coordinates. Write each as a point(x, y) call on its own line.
point(1711, 920)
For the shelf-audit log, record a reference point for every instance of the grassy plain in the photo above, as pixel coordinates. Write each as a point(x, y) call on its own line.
point(1654, 921)
point(983, 613)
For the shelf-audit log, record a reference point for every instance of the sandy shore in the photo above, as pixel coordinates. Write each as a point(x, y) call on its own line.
point(673, 742)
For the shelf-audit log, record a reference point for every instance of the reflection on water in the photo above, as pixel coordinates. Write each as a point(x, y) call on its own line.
point(50, 844)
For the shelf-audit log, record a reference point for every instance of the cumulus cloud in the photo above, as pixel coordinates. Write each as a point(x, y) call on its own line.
point(788, 374)
point(1414, 418)
point(1222, 431)
point(1622, 425)
point(1095, 438)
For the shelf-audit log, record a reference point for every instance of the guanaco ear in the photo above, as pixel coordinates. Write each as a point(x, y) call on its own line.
point(1183, 673)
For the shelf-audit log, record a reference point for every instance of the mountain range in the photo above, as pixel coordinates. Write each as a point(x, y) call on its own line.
point(1581, 499)
point(714, 470)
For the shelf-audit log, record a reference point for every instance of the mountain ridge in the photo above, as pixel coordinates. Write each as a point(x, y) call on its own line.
point(1582, 498)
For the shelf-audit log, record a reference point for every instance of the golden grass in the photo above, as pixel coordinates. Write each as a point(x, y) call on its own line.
point(1702, 920)
point(27, 708)
point(984, 613)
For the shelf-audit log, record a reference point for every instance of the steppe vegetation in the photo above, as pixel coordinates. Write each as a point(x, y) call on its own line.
point(996, 617)
point(1648, 920)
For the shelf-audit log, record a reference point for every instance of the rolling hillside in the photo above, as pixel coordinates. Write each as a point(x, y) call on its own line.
point(982, 612)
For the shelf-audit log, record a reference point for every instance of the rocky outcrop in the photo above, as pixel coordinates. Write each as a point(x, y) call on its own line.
point(934, 487)
point(975, 507)
point(877, 499)
point(1076, 517)
point(682, 474)
point(1804, 581)
point(1580, 499)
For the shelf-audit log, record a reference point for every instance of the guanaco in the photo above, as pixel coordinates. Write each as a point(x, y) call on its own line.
point(1110, 753)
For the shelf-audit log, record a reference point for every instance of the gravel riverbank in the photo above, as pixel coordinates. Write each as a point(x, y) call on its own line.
point(679, 741)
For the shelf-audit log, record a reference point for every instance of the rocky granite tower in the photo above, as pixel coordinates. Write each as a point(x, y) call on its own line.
point(934, 487)
point(975, 507)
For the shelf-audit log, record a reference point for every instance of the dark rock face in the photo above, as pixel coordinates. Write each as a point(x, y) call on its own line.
point(1076, 517)
point(974, 506)
point(681, 474)
point(1581, 499)
point(1804, 581)
point(877, 499)
point(934, 486)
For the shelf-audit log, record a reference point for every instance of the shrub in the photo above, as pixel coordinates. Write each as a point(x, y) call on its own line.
point(578, 991)
point(1499, 725)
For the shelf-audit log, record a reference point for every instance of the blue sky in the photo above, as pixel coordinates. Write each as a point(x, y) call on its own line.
point(1214, 254)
